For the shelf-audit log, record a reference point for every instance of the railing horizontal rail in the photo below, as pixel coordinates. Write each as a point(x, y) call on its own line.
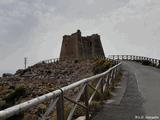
point(134, 57)
point(54, 60)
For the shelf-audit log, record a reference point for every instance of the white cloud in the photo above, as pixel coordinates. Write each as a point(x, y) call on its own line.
point(139, 24)
point(35, 28)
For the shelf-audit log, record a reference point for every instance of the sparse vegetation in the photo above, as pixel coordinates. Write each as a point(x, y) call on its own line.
point(11, 98)
point(146, 62)
point(76, 61)
point(107, 94)
point(16, 94)
point(41, 109)
point(80, 111)
point(101, 65)
point(95, 106)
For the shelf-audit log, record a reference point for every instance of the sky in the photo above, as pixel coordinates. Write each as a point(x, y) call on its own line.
point(34, 28)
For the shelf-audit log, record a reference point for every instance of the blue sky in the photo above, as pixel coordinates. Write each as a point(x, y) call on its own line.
point(34, 28)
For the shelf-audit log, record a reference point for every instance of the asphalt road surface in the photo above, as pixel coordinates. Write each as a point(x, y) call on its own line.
point(137, 97)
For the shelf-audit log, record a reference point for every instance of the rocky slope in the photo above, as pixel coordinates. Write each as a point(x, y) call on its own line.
point(42, 78)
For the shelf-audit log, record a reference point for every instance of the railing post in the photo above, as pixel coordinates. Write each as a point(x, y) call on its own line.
point(108, 80)
point(140, 57)
point(112, 78)
point(152, 61)
point(60, 107)
point(114, 73)
point(86, 101)
point(156, 62)
point(102, 83)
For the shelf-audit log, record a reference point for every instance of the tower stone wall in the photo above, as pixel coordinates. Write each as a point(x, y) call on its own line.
point(75, 46)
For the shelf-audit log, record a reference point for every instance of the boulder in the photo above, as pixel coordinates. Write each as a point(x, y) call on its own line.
point(7, 75)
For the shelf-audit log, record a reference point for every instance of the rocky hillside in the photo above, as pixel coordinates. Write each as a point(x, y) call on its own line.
point(43, 78)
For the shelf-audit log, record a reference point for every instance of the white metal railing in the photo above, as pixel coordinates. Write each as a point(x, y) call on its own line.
point(134, 57)
point(105, 80)
point(55, 60)
point(52, 60)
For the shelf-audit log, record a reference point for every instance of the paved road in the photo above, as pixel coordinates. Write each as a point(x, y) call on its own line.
point(140, 95)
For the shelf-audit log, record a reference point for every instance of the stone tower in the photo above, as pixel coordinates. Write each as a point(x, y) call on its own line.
point(75, 46)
